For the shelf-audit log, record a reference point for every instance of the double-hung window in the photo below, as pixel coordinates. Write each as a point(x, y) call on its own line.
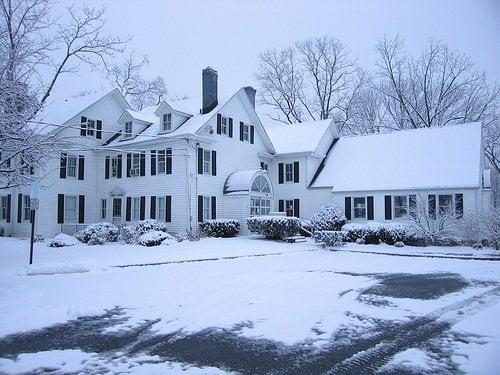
point(400, 206)
point(207, 161)
point(135, 165)
point(160, 208)
point(114, 167)
point(90, 127)
point(136, 208)
point(289, 207)
point(161, 161)
point(104, 203)
point(167, 122)
point(27, 209)
point(445, 203)
point(4, 208)
point(289, 172)
point(71, 172)
point(245, 132)
point(69, 209)
point(128, 129)
point(359, 207)
point(207, 208)
point(224, 125)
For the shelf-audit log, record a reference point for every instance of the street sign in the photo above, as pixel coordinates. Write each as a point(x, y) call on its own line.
point(34, 203)
point(35, 191)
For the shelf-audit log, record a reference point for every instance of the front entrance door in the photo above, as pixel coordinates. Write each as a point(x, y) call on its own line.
point(117, 210)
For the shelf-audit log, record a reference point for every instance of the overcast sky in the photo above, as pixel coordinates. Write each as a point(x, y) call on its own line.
point(183, 37)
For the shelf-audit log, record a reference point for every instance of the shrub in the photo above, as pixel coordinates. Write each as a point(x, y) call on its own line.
point(2, 231)
point(149, 225)
point(329, 217)
point(330, 237)
point(153, 238)
point(61, 240)
point(220, 228)
point(98, 233)
point(274, 227)
point(369, 233)
point(390, 233)
point(38, 238)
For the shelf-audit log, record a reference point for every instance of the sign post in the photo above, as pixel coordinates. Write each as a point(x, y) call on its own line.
point(34, 204)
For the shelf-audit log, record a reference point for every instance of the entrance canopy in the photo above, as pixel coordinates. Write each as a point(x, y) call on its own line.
point(254, 181)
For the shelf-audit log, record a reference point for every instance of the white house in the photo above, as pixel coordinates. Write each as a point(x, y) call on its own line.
point(181, 164)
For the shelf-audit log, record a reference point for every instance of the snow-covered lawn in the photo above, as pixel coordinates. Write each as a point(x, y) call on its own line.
point(297, 295)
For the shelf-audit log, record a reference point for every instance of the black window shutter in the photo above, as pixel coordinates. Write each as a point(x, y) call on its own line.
point(347, 208)
point(128, 209)
point(143, 164)
point(459, 205)
point(62, 165)
point(81, 209)
point(388, 207)
point(83, 126)
point(214, 208)
point(214, 163)
point(119, 174)
point(152, 207)
point(200, 160)
point(431, 200)
point(252, 134)
point(9, 206)
point(153, 162)
point(412, 205)
point(281, 177)
point(281, 205)
point(230, 127)
point(81, 167)
point(129, 164)
point(295, 171)
point(200, 208)
point(241, 131)
point(19, 207)
point(168, 208)
point(296, 207)
point(142, 214)
point(60, 208)
point(169, 161)
point(98, 133)
point(219, 123)
point(369, 203)
point(106, 168)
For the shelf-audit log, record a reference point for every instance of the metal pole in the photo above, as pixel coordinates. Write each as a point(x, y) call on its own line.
point(32, 234)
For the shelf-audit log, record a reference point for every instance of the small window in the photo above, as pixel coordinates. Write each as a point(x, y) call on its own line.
point(263, 166)
point(245, 132)
point(103, 208)
point(26, 209)
point(360, 208)
point(4, 207)
point(135, 165)
point(260, 206)
point(114, 167)
point(90, 127)
point(69, 209)
point(261, 185)
point(71, 169)
point(289, 207)
point(224, 125)
point(207, 208)
point(289, 172)
point(136, 208)
point(117, 208)
point(160, 209)
point(207, 161)
point(128, 129)
point(400, 206)
point(161, 161)
point(167, 122)
point(445, 204)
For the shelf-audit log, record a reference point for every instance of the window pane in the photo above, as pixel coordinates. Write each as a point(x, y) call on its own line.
point(70, 209)
point(400, 206)
point(359, 208)
point(445, 203)
point(289, 172)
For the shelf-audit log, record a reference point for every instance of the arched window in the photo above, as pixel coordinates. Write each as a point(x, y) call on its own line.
point(261, 185)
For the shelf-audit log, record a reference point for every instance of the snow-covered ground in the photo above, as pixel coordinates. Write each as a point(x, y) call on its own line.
point(297, 295)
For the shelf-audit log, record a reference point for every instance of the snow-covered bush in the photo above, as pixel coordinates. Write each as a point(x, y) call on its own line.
point(169, 240)
point(390, 233)
point(153, 238)
point(274, 227)
point(98, 233)
point(2, 231)
point(61, 240)
point(330, 237)
point(367, 232)
point(220, 228)
point(38, 238)
point(490, 224)
point(149, 225)
point(399, 244)
point(329, 217)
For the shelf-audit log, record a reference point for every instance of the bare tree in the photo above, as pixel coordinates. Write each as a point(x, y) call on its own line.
point(311, 80)
point(128, 79)
point(35, 52)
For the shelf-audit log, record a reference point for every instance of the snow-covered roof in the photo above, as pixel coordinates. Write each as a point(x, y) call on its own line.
point(147, 114)
point(190, 106)
point(440, 157)
point(302, 137)
point(240, 181)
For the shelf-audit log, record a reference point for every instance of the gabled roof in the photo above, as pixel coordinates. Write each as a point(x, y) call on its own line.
point(297, 138)
point(146, 115)
point(440, 157)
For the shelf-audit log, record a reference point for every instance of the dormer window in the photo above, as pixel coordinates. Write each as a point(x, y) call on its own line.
point(167, 122)
point(128, 129)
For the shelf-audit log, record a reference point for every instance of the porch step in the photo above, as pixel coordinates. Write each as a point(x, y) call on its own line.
point(295, 239)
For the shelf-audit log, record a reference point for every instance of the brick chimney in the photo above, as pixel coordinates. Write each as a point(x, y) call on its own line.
point(251, 94)
point(209, 90)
